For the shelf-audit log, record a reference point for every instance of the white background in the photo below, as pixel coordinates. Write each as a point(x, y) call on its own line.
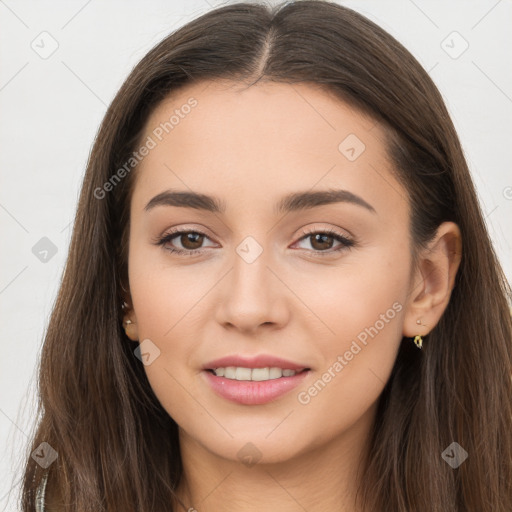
point(51, 109)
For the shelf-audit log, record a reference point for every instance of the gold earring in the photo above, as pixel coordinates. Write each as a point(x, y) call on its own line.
point(418, 340)
point(129, 328)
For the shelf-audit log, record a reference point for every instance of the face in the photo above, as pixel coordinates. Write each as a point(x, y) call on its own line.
point(271, 272)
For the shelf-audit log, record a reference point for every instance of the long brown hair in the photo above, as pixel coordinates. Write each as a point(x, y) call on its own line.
point(117, 447)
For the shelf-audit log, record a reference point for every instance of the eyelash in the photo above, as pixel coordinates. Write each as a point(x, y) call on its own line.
point(345, 242)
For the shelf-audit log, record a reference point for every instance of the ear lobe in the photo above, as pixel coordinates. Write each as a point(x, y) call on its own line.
point(434, 280)
point(130, 326)
point(129, 319)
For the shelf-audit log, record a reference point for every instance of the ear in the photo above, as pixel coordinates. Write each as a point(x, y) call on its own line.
point(129, 318)
point(433, 280)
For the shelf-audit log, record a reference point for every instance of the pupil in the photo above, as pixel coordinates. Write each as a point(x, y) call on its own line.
point(324, 244)
point(189, 238)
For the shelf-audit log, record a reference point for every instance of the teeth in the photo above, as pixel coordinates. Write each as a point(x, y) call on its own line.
point(260, 374)
point(229, 372)
point(255, 374)
point(275, 373)
point(243, 374)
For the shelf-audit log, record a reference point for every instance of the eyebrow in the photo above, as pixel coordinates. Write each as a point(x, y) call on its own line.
point(295, 201)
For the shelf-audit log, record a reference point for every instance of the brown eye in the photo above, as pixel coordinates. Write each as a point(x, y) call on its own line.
point(184, 242)
point(321, 241)
point(191, 240)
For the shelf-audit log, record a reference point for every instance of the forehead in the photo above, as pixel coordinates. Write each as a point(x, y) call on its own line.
point(270, 113)
point(220, 136)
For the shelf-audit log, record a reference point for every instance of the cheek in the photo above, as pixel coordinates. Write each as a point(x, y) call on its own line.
point(171, 305)
point(165, 302)
point(163, 297)
point(361, 317)
point(366, 293)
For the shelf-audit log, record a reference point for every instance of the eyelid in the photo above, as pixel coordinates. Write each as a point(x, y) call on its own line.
point(183, 229)
point(315, 228)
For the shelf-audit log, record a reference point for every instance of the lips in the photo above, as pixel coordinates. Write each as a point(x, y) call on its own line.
point(257, 391)
point(253, 392)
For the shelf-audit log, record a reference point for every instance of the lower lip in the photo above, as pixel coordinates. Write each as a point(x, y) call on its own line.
point(249, 392)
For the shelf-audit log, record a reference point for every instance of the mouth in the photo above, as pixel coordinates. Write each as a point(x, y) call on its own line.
point(246, 385)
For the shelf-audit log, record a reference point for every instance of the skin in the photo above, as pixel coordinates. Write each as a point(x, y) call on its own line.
point(249, 147)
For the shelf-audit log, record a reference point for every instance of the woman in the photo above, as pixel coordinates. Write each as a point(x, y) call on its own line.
point(280, 293)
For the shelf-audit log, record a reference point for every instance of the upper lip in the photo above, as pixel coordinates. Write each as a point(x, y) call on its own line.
point(259, 361)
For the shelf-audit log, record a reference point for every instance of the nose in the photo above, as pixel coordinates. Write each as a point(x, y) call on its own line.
point(251, 297)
